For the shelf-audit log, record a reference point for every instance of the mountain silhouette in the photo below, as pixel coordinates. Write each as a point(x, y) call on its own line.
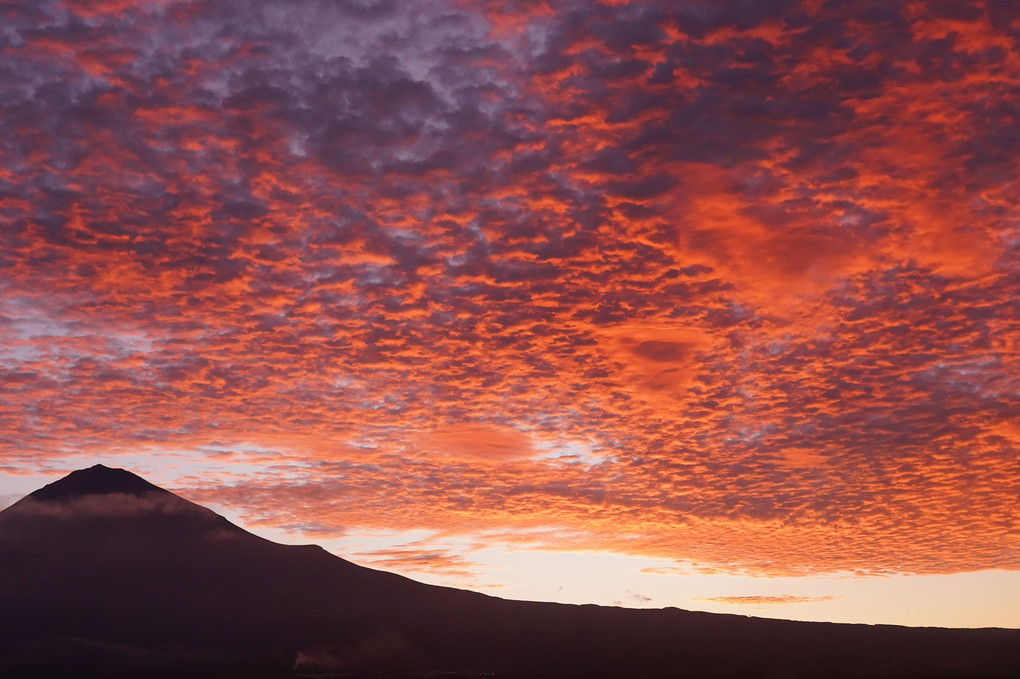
point(103, 574)
point(97, 480)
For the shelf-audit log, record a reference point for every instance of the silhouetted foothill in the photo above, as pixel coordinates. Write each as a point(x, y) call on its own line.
point(103, 574)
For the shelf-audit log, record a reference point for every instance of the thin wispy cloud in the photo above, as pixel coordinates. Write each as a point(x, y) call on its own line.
point(767, 600)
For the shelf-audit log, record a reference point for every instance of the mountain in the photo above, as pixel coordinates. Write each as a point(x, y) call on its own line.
point(104, 574)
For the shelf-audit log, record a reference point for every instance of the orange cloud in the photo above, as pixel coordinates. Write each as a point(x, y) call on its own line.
point(411, 559)
point(478, 442)
point(761, 263)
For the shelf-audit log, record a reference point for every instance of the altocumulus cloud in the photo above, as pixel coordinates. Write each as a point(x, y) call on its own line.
point(756, 262)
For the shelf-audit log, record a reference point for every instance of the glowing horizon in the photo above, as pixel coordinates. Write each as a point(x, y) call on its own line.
point(727, 290)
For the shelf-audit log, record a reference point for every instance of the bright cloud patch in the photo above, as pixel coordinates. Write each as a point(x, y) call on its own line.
point(760, 259)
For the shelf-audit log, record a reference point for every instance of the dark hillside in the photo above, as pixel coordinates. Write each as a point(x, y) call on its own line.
point(104, 574)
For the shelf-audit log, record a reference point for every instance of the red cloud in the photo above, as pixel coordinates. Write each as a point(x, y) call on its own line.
point(762, 263)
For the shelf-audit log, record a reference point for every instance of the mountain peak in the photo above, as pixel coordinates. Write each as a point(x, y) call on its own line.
point(96, 480)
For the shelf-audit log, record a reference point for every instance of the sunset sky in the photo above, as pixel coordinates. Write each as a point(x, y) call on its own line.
point(702, 304)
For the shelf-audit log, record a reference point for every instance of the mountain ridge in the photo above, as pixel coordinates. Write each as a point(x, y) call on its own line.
point(96, 480)
point(126, 581)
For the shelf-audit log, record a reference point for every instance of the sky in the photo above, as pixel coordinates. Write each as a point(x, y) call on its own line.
point(702, 304)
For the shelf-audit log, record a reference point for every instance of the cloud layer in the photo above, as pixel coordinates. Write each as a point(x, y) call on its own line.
point(731, 283)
